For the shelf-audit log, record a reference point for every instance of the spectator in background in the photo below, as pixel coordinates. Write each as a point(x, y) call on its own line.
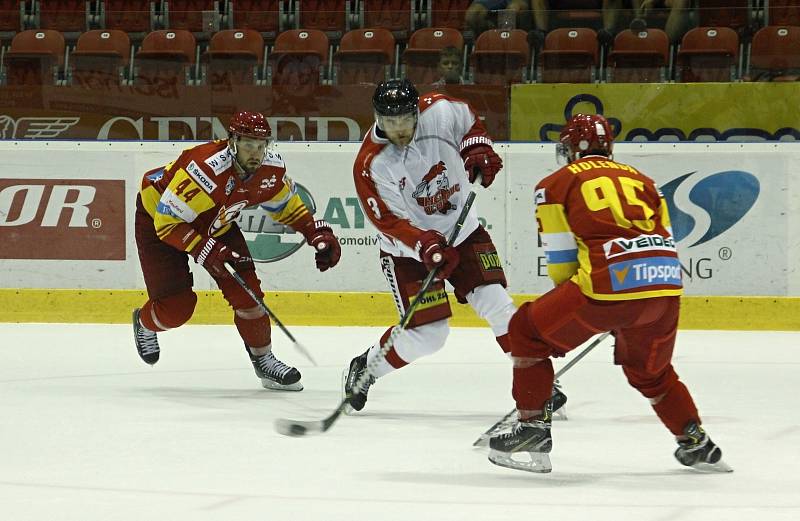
point(545, 19)
point(677, 20)
point(485, 14)
point(450, 67)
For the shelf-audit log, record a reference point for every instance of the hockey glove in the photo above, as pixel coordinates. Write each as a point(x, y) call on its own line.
point(480, 160)
point(435, 253)
point(212, 255)
point(319, 235)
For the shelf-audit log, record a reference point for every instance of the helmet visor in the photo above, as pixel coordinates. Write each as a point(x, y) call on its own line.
point(250, 152)
point(563, 155)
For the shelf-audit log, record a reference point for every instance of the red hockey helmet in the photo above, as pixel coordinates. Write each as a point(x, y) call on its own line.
point(250, 124)
point(585, 134)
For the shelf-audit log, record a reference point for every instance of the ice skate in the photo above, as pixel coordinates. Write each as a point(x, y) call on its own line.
point(530, 441)
point(146, 341)
point(699, 452)
point(356, 400)
point(274, 374)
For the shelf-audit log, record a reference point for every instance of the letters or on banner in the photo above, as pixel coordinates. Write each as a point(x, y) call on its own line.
point(64, 219)
point(662, 111)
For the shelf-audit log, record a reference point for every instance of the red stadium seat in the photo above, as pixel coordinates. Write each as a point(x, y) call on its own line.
point(35, 58)
point(299, 57)
point(364, 56)
point(422, 55)
point(775, 54)
point(329, 16)
point(708, 54)
point(66, 16)
point(448, 13)
point(501, 57)
point(198, 16)
point(782, 12)
point(165, 57)
point(639, 57)
point(12, 15)
point(234, 57)
point(724, 13)
point(131, 16)
point(394, 15)
point(569, 56)
point(100, 58)
point(263, 16)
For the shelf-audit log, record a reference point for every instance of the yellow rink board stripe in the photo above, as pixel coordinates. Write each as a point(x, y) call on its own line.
point(358, 309)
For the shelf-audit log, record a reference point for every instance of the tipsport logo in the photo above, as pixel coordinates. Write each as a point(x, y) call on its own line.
point(267, 239)
point(709, 206)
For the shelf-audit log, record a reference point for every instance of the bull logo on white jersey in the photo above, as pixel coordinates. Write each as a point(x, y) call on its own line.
point(434, 192)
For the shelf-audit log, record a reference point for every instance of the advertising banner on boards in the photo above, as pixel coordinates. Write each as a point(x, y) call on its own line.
point(731, 208)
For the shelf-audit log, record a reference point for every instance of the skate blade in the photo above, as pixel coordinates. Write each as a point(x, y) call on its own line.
point(275, 386)
point(539, 461)
point(560, 414)
point(719, 466)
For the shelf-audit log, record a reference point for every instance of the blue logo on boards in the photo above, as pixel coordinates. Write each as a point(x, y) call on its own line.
point(651, 271)
point(725, 197)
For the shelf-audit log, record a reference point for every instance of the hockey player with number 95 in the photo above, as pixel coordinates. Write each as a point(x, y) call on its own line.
point(412, 175)
point(608, 242)
point(188, 208)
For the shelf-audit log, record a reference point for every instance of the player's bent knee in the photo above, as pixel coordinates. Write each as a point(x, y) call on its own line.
point(523, 336)
point(252, 313)
point(494, 305)
point(652, 385)
point(422, 340)
point(174, 310)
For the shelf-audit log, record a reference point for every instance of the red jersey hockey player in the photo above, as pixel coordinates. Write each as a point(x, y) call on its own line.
point(189, 208)
point(411, 180)
point(609, 248)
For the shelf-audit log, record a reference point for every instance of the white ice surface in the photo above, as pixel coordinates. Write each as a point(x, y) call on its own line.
point(89, 432)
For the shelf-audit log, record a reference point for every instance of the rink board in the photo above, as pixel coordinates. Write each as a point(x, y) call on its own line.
point(66, 216)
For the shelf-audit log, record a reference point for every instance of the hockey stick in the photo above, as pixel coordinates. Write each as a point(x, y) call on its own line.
point(301, 428)
point(483, 439)
point(300, 347)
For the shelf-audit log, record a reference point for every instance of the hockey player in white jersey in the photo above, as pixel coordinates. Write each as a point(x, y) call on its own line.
point(412, 176)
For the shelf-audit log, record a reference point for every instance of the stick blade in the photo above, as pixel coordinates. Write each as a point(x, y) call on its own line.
point(297, 428)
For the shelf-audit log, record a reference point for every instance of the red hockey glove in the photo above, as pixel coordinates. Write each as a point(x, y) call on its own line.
point(212, 255)
point(319, 235)
point(435, 253)
point(480, 160)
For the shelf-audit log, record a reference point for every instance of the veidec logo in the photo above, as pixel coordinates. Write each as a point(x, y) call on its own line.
point(63, 219)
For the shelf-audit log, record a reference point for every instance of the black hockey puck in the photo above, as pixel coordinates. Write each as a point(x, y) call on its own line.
point(297, 430)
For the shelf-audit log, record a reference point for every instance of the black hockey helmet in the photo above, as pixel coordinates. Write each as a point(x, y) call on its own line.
point(395, 97)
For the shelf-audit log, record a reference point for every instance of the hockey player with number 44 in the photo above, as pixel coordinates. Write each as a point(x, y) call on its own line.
point(608, 242)
point(188, 208)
